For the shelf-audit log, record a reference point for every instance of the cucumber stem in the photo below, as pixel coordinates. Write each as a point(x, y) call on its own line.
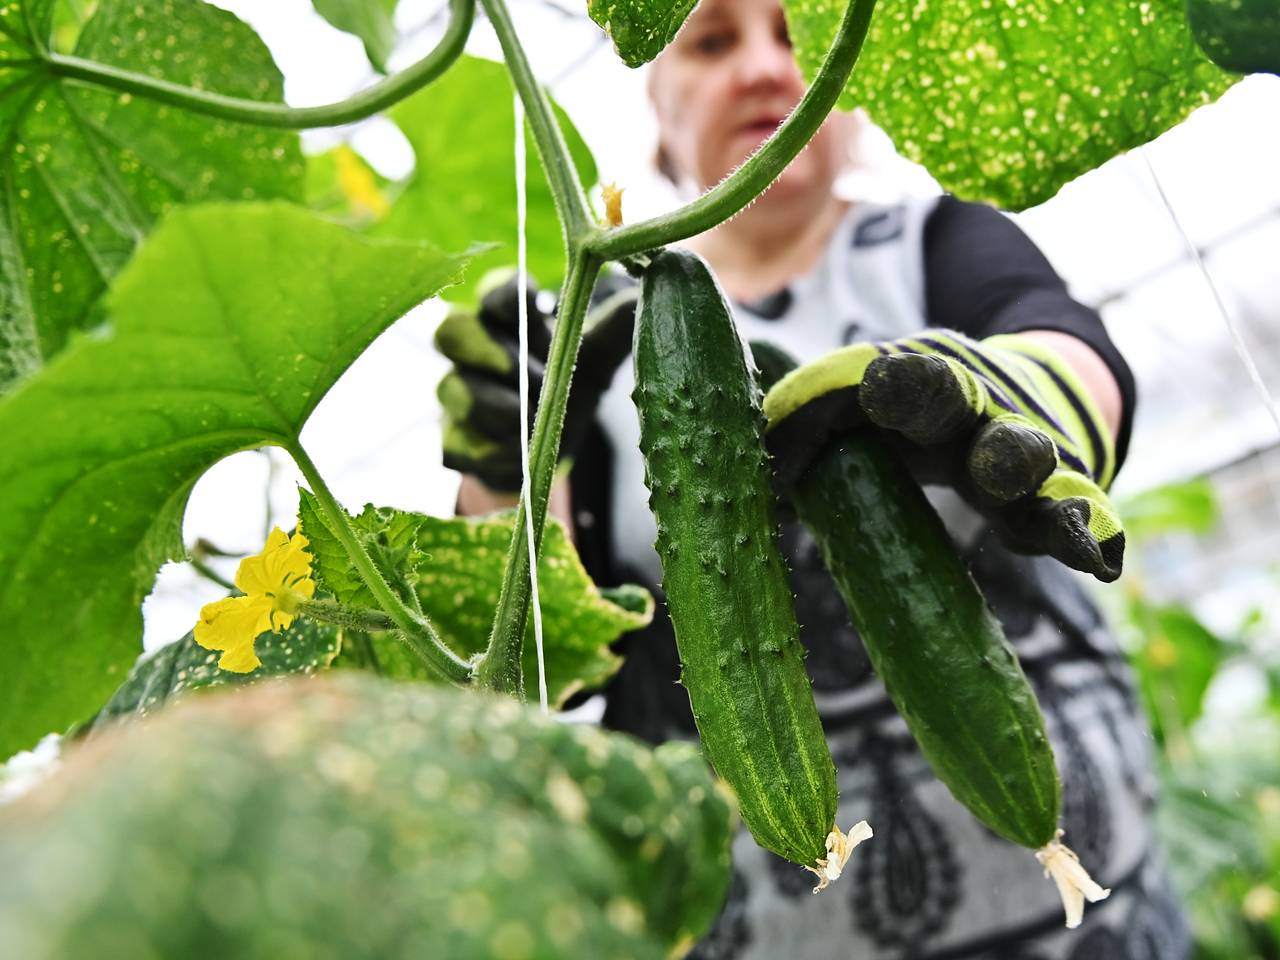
point(500, 668)
point(764, 166)
point(562, 176)
point(416, 630)
point(364, 104)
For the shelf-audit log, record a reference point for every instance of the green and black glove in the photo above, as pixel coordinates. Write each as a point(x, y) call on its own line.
point(1004, 421)
point(481, 395)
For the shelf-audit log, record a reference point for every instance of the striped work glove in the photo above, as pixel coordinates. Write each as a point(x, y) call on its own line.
point(480, 395)
point(1004, 421)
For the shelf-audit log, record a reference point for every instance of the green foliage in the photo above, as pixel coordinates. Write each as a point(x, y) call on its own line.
point(85, 173)
point(167, 675)
point(454, 569)
point(355, 817)
point(373, 21)
point(1219, 812)
point(1177, 661)
point(1006, 102)
point(1239, 35)
point(463, 189)
point(1187, 507)
point(343, 187)
point(223, 334)
point(640, 29)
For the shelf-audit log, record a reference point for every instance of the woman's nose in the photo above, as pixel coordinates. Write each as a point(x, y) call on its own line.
point(766, 60)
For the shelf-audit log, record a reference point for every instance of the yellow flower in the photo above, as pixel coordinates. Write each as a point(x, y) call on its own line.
point(273, 581)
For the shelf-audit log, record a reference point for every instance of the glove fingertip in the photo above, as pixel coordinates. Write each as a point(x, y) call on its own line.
point(917, 396)
point(1008, 460)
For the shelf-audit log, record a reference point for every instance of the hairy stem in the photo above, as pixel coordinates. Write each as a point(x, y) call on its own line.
point(763, 167)
point(566, 187)
point(367, 102)
point(500, 668)
point(417, 630)
point(327, 611)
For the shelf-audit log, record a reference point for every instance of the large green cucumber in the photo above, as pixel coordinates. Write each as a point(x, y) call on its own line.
point(354, 817)
point(723, 574)
point(931, 638)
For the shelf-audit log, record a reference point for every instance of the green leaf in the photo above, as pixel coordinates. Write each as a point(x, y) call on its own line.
point(640, 29)
point(1190, 507)
point(85, 173)
point(1007, 101)
point(1238, 35)
point(224, 332)
point(178, 668)
point(388, 536)
point(370, 20)
point(455, 565)
point(342, 186)
point(1175, 666)
point(463, 189)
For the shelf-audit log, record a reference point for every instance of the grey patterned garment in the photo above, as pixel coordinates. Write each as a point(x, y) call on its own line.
point(933, 883)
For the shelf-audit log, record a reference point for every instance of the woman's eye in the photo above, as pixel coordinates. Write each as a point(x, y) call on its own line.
point(714, 42)
point(781, 33)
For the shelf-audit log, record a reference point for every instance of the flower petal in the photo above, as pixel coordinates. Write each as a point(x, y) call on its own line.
point(1070, 877)
point(232, 624)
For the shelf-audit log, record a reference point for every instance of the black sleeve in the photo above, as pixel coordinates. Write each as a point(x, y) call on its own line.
point(984, 276)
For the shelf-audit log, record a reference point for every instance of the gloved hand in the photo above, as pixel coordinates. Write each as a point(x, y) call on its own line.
point(480, 395)
point(1004, 421)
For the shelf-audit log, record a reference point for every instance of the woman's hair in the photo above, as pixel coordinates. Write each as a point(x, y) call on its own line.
point(662, 163)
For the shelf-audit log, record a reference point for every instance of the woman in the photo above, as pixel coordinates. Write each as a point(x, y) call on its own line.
point(812, 274)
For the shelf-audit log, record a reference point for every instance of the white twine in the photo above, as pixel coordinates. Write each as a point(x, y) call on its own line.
point(522, 281)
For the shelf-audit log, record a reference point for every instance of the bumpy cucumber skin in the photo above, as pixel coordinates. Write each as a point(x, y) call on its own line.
point(724, 576)
point(354, 817)
point(931, 638)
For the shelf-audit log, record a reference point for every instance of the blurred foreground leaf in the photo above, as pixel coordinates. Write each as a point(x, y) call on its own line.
point(347, 816)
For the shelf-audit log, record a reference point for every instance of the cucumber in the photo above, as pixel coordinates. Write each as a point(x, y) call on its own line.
point(724, 576)
point(347, 816)
point(931, 638)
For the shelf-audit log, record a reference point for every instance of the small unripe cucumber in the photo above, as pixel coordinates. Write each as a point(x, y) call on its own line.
point(937, 648)
point(724, 577)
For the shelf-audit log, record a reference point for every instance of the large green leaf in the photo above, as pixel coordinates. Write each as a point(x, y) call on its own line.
point(224, 332)
point(455, 568)
point(85, 173)
point(1240, 35)
point(177, 668)
point(370, 20)
point(1008, 101)
point(463, 189)
point(640, 29)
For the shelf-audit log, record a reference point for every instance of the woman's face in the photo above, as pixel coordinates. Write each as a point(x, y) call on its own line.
point(724, 85)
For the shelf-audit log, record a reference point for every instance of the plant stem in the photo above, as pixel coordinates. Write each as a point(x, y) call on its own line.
point(356, 107)
point(500, 668)
point(206, 571)
point(763, 167)
point(566, 187)
point(327, 611)
point(417, 631)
